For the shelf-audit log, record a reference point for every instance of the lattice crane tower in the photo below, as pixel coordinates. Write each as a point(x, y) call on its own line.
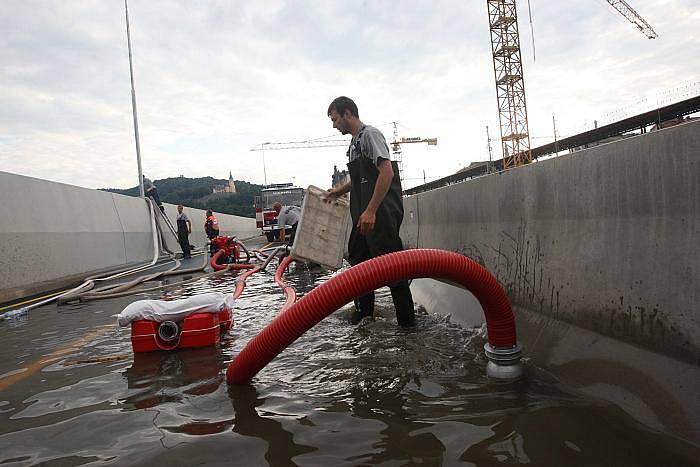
point(510, 85)
point(398, 141)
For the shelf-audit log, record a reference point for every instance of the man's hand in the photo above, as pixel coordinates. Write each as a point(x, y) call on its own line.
point(338, 190)
point(366, 222)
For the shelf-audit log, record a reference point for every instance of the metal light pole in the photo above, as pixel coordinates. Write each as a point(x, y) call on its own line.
point(264, 168)
point(556, 143)
point(133, 104)
point(488, 145)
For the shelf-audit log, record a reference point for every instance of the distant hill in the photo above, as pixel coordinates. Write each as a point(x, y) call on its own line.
point(197, 193)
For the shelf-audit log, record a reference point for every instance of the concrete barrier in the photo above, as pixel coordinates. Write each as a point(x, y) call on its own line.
point(599, 244)
point(54, 234)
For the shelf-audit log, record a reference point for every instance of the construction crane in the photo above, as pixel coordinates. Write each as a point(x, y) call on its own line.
point(508, 73)
point(633, 17)
point(396, 147)
point(328, 143)
point(510, 85)
point(307, 144)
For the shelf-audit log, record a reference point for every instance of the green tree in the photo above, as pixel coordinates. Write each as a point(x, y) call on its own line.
point(198, 193)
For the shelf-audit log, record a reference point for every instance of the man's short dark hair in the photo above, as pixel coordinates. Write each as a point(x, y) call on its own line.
point(341, 104)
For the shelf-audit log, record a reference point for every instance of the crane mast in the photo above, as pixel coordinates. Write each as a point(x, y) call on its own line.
point(508, 71)
point(510, 84)
point(398, 141)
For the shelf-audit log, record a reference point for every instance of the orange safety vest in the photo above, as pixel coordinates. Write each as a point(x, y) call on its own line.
point(211, 224)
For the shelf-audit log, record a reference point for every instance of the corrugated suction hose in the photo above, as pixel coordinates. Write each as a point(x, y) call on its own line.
point(370, 275)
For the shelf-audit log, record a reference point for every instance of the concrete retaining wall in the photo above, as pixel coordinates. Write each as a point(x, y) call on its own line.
point(602, 241)
point(53, 234)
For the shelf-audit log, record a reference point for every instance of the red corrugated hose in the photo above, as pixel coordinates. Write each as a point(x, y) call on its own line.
point(362, 279)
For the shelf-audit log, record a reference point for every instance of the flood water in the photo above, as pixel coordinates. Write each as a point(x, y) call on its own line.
point(73, 393)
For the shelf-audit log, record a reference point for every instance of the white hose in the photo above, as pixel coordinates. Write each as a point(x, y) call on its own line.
point(90, 281)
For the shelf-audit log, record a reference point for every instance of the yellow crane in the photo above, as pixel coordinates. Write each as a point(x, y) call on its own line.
point(508, 73)
point(395, 145)
point(398, 141)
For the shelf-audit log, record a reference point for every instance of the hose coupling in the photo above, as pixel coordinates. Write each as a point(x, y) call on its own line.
point(504, 363)
point(168, 331)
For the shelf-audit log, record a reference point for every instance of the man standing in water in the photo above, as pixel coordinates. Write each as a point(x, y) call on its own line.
point(376, 206)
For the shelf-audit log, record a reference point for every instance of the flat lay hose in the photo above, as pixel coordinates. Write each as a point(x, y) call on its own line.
point(289, 292)
point(240, 282)
point(364, 278)
point(230, 266)
point(89, 282)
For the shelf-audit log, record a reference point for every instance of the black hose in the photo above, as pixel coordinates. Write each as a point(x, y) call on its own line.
point(247, 253)
point(269, 258)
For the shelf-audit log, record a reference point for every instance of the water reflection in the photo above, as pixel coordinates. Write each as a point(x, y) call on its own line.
point(281, 448)
point(191, 371)
point(371, 394)
point(397, 441)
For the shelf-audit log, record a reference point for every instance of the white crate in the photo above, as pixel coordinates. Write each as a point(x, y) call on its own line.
point(322, 229)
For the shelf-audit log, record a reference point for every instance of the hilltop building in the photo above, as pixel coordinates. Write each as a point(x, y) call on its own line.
point(228, 188)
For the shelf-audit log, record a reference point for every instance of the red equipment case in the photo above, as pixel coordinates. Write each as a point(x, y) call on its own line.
point(197, 330)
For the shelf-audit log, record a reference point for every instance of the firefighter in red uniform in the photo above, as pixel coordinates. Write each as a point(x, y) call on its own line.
point(211, 226)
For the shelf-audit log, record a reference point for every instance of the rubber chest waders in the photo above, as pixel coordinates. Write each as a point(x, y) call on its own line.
point(384, 238)
point(364, 174)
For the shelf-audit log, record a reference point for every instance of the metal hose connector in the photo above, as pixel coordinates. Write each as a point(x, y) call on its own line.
point(504, 363)
point(168, 331)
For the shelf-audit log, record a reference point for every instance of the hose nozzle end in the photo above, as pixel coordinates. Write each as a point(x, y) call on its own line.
point(504, 364)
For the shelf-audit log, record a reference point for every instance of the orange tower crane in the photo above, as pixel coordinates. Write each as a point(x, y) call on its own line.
point(508, 71)
point(510, 83)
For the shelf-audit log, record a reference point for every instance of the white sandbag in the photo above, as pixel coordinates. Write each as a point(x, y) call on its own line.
point(175, 310)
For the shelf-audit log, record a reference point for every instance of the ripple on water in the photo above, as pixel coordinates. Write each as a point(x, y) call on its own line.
point(369, 394)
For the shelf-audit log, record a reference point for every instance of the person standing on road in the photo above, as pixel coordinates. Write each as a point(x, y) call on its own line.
point(184, 229)
point(376, 206)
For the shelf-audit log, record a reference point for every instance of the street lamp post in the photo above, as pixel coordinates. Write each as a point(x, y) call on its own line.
point(133, 104)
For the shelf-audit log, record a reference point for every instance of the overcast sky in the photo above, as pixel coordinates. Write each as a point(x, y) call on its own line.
point(217, 78)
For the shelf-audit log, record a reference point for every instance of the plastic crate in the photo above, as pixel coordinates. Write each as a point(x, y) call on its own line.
point(322, 229)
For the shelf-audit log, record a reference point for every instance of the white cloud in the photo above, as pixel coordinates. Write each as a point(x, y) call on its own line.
point(216, 78)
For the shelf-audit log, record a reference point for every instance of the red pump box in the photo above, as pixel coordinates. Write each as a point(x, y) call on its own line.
point(197, 330)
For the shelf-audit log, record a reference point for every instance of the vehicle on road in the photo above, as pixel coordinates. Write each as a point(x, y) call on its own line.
point(265, 217)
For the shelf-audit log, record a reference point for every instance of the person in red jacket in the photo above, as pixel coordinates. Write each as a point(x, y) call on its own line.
point(211, 226)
